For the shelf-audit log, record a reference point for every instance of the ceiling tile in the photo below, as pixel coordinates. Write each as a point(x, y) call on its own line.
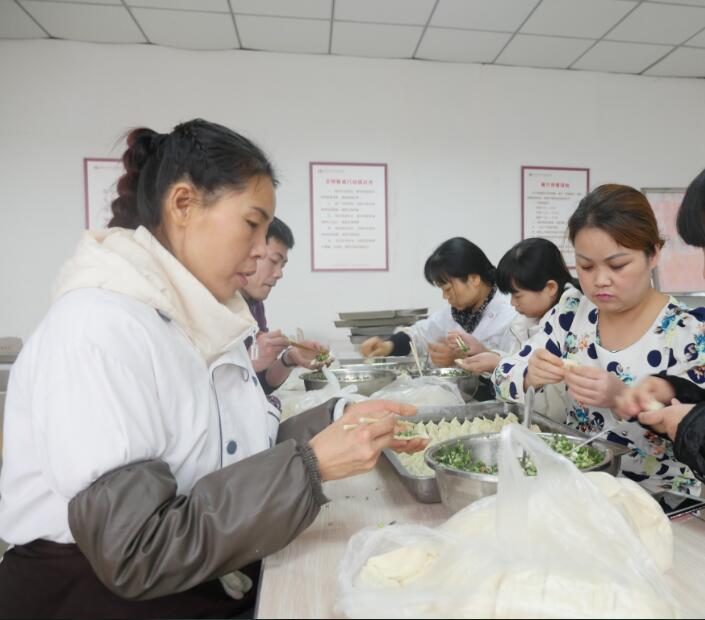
point(206, 6)
point(114, 2)
point(380, 41)
point(85, 22)
point(683, 62)
point(616, 57)
point(690, 2)
point(312, 9)
point(281, 34)
point(502, 15)
point(461, 45)
point(576, 18)
point(535, 51)
point(660, 23)
point(412, 12)
point(697, 41)
point(188, 29)
point(16, 24)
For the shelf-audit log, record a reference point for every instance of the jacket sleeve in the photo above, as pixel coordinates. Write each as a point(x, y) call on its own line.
point(508, 377)
point(689, 446)
point(266, 387)
point(304, 426)
point(433, 329)
point(686, 391)
point(401, 343)
point(499, 336)
point(144, 540)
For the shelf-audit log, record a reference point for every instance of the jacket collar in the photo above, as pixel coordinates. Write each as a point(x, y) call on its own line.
point(134, 263)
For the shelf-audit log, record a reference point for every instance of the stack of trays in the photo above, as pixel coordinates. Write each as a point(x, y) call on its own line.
point(382, 323)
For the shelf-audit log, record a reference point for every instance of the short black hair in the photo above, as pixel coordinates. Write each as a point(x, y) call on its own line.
point(281, 232)
point(458, 258)
point(530, 264)
point(691, 215)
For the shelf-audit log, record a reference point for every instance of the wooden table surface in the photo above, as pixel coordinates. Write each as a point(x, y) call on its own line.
point(300, 581)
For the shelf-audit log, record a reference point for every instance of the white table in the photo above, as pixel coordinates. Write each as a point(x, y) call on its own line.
point(300, 581)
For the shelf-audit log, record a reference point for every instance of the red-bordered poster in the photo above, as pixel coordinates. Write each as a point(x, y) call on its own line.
point(548, 198)
point(100, 176)
point(680, 268)
point(348, 217)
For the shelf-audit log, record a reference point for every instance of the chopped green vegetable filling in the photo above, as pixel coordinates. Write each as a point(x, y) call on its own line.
point(454, 373)
point(583, 457)
point(407, 432)
point(322, 356)
point(460, 457)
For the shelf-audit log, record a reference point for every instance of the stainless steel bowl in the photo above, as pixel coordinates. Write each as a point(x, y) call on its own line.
point(368, 380)
point(459, 488)
point(395, 364)
point(467, 382)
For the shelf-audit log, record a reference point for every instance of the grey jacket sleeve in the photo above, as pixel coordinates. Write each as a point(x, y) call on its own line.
point(145, 541)
point(304, 426)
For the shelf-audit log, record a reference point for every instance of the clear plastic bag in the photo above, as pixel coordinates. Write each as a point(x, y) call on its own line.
point(433, 391)
point(332, 389)
point(556, 545)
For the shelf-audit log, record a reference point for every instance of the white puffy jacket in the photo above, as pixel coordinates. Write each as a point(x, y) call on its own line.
point(135, 360)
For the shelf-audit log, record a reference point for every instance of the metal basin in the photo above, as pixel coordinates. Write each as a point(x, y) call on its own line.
point(459, 488)
point(395, 364)
point(467, 382)
point(425, 488)
point(368, 380)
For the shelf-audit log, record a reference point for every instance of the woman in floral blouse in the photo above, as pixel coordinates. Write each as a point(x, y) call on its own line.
point(683, 416)
point(619, 330)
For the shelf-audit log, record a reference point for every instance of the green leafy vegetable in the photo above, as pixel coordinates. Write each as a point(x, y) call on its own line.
point(454, 373)
point(321, 356)
point(460, 457)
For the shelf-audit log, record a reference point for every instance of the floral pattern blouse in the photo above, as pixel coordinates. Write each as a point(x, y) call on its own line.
point(674, 345)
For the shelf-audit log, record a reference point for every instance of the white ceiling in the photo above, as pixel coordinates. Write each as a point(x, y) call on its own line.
point(642, 37)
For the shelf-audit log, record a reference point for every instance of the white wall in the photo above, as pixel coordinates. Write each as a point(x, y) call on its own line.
point(454, 136)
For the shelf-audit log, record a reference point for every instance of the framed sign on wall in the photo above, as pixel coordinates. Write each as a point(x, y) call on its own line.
point(549, 195)
point(680, 268)
point(100, 177)
point(348, 217)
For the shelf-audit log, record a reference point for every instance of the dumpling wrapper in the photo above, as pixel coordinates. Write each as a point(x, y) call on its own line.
point(410, 431)
point(399, 567)
point(642, 512)
point(529, 592)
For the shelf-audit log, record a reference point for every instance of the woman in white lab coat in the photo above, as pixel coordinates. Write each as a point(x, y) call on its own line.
point(473, 305)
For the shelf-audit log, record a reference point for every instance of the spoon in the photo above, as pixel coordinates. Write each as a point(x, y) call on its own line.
point(528, 406)
point(604, 431)
point(528, 409)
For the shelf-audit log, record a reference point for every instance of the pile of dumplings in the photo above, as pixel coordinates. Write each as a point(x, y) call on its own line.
point(438, 432)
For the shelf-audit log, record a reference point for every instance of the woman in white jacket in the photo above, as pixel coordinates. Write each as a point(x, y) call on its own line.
point(534, 273)
point(474, 306)
point(142, 460)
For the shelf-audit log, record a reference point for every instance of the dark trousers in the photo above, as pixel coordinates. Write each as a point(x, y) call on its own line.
point(49, 580)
